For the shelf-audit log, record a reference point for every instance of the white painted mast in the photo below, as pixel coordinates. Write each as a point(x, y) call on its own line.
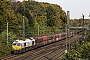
point(7, 34)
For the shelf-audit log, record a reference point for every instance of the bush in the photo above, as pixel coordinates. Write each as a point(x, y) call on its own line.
point(4, 49)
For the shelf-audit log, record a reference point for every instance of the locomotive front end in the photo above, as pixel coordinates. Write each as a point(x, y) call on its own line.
point(16, 46)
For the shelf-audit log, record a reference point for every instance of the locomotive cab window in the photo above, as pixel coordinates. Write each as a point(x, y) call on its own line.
point(18, 44)
point(14, 44)
point(32, 42)
point(24, 44)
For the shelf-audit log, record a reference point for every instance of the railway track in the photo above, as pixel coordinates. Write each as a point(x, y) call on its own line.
point(52, 51)
point(35, 54)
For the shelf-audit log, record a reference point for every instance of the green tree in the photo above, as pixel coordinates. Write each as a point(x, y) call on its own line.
point(4, 50)
point(61, 16)
point(4, 13)
point(51, 16)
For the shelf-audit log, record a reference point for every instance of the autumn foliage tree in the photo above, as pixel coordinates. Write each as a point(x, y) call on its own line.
point(46, 17)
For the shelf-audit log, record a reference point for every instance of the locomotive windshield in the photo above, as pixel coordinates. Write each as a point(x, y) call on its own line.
point(16, 44)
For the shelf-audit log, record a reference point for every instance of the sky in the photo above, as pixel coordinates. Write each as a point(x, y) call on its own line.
point(76, 7)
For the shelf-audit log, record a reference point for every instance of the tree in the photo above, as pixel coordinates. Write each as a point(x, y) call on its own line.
point(61, 16)
point(4, 13)
point(51, 16)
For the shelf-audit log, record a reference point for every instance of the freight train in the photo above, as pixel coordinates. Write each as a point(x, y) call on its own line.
point(20, 46)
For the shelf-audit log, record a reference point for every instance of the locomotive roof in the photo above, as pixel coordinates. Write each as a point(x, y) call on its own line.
point(23, 41)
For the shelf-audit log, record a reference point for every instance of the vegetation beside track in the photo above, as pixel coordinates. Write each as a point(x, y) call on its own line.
point(80, 51)
point(38, 16)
